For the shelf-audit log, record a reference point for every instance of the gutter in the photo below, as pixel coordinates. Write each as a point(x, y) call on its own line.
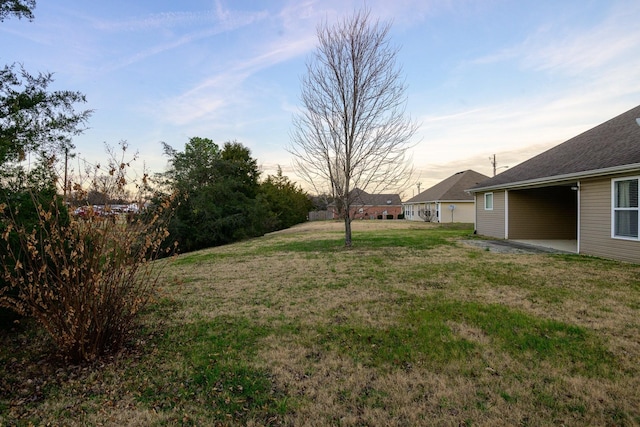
point(441, 201)
point(557, 179)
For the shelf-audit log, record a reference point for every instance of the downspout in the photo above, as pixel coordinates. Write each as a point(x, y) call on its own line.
point(506, 214)
point(475, 213)
point(578, 231)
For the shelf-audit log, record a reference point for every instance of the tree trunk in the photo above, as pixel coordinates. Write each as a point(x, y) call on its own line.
point(347, 230)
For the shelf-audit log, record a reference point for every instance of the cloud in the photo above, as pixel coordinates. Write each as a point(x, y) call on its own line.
point(224, 18)
point(582, 52)
point(572, 51)
point(154, 21)
point(295, 36)
point(521, 127)
point(160, 48)
point(225, 88)
point(207, 23)
point(578, 78)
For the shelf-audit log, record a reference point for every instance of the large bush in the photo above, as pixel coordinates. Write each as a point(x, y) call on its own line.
point(83, 280)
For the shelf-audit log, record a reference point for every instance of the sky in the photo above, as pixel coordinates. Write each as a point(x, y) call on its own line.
point(509, 78)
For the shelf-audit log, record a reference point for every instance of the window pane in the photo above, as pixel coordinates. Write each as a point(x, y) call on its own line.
point(626, 194)
point(626, 223)
point(488, 201)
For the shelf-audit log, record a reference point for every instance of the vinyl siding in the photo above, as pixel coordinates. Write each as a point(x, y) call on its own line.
point(595, 224)
point(543, 213)
point(463, 212)
point(490, 223)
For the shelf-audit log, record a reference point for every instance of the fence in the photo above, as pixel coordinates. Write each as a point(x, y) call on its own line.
point(320, 215)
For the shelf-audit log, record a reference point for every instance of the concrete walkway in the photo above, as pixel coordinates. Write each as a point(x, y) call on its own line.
point(525, 246)
point(570, 246)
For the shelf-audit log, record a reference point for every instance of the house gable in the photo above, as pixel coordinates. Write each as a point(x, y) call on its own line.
point(447, 201)
point(453, 188)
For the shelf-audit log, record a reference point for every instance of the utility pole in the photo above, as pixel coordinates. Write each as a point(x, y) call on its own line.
point(494, 163)
point(418, 184)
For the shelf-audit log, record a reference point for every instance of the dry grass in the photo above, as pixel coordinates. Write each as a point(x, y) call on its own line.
point(293, 329)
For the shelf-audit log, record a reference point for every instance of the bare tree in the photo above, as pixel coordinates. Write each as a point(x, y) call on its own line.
point(352, 131)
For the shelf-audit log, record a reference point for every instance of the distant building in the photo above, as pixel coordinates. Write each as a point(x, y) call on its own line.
point(371, 206)
point(446, 201)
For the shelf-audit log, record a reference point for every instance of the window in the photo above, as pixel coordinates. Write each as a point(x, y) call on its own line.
point(488, 201)
point(625, 219)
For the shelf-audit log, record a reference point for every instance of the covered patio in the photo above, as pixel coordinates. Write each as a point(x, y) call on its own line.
point(569, 246)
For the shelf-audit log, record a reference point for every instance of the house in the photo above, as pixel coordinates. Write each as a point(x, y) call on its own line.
point(371, 206)
point(447, 201)
point(583, 192)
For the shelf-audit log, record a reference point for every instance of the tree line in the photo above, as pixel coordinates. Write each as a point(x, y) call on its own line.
point(221, 198)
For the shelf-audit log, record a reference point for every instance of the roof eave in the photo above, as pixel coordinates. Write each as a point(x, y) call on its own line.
point(564, 178)
point(440, 201)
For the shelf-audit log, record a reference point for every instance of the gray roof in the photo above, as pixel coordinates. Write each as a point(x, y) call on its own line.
point(608, 147)
point(361, 197)
point(452, 188)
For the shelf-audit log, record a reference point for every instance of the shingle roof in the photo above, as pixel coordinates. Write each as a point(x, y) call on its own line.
point(612, 144)
point(361, 197)
point(452, 188)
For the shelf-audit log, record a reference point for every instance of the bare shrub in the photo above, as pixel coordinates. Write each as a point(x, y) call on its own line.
point(84, 279)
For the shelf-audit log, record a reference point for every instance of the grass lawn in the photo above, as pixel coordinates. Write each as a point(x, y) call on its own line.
point(409, 327)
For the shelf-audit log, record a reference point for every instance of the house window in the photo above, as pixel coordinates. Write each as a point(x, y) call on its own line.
point(488, 201)
point(408, 211)
point(625, 213)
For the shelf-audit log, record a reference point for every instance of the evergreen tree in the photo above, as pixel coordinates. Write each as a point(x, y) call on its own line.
point(289, 204)
point(220, 200)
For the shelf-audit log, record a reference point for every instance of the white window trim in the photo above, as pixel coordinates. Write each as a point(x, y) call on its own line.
point(614, 209)
point(485, 201)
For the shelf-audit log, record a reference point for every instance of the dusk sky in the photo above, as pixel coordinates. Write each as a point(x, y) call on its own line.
point(510, 78)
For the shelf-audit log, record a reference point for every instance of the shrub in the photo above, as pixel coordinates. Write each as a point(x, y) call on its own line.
point(83, 280)
point(400, 216)
point(379, 217)
point(389, 216)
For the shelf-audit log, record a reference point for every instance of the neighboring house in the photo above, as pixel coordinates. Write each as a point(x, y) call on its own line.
point(447, 201)
point(371, 206)
point(584, 190)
